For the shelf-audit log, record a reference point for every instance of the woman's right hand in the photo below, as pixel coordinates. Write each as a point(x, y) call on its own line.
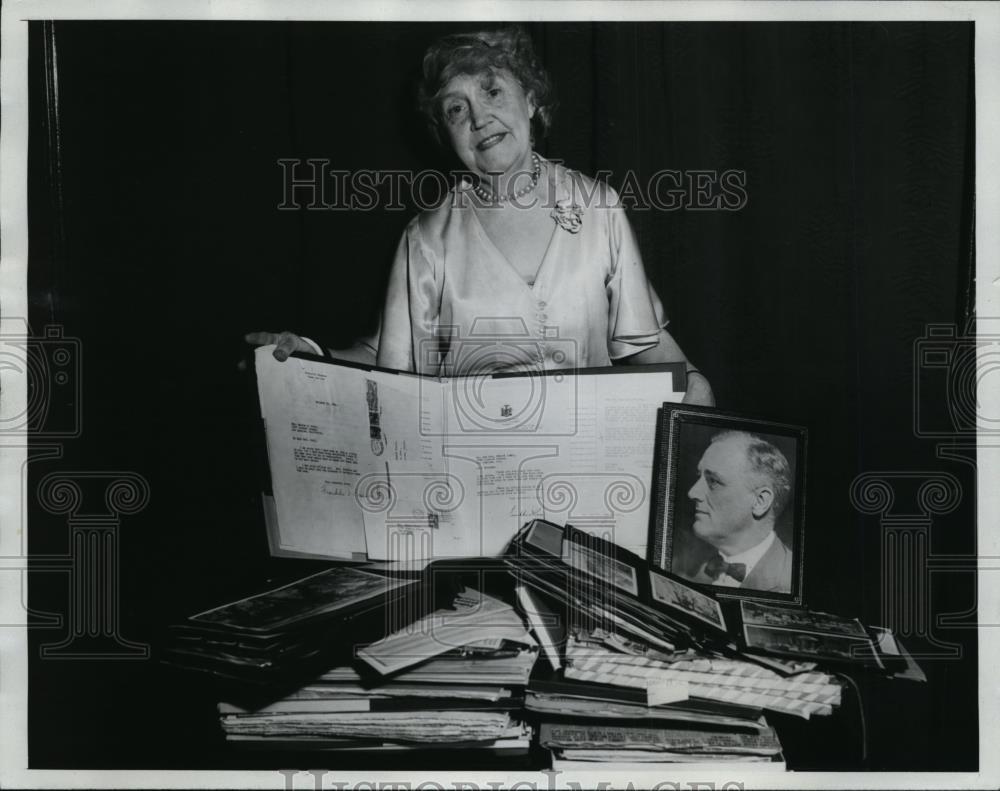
point(285, 343)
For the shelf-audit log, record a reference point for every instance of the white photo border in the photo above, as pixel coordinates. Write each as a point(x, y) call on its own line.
point(13, 311)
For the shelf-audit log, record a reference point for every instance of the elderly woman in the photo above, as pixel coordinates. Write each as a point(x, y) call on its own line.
point(526, 264)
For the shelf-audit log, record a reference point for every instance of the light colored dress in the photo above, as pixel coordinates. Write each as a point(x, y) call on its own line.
point(455, 305)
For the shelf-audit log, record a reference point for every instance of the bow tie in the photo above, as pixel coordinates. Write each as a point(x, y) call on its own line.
point(716, 567)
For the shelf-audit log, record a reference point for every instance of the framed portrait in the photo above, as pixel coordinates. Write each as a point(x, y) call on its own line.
point(729, 503)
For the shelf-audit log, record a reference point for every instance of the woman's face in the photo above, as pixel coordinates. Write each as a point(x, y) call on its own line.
point(488, 118)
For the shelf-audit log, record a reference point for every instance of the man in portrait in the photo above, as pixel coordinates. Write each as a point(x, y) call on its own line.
point(744, 483)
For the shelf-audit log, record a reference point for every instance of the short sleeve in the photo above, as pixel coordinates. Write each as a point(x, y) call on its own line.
point(412, 303)
point(635, 312)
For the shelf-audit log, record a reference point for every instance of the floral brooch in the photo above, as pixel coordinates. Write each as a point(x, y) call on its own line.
point(568, 215)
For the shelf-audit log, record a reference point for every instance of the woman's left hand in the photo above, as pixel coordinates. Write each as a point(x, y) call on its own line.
point(699, 391)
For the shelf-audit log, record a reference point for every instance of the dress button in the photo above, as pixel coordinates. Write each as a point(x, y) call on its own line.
point(542, 317)
point(541, 303)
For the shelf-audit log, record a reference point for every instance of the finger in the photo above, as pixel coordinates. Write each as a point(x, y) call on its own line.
point(260, 338)
point(288, 342)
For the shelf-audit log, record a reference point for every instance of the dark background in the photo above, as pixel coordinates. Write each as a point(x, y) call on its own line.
point(156, 241)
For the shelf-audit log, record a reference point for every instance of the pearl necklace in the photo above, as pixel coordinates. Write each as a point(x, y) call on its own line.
point(489, 197)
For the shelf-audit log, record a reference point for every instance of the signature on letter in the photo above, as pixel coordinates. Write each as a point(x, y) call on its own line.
point(532, 511)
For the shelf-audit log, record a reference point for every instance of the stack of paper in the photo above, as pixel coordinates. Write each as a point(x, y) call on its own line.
point(636, 669)
point(639, 669)
point(597, 585)
point(584, 745)
point(476, 621)
point(717, 679)
point(288, 632)
point(360, 729)
point(453, 679)
point(590, 721)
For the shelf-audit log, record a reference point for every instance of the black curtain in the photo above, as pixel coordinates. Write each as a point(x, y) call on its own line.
point(156, 241)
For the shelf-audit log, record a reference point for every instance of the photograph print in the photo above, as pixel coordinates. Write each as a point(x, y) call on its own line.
point(604, 568)
point(322, 593)
point(730, 503)
point(759, 614)
point(809, 645)
point(692, 602)
point(798, 195)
